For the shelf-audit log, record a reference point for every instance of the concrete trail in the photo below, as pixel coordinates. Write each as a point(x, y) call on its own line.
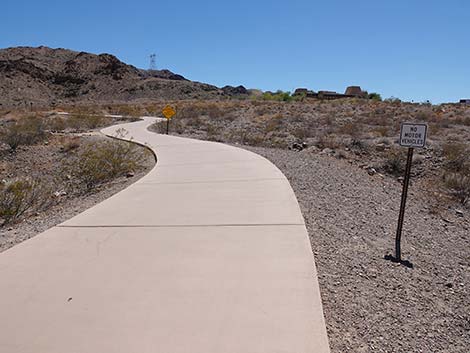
point(208, 253)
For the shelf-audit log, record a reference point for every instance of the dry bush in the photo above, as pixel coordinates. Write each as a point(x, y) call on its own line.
point(328, 141)
point(20, 196)
point(457, 157)
point(459, 184)
point(71, 144)
point(394, 162)
point(457, 170)
point(261, 108)
point(176, 126)
point(26, 131)
point(86, 122)
point(350, 128)
point(83, 110)
point(128, 110)
point(382, 131)
point(274, 123)
point(199, 109)
point(100, 162)
point(359, 145)
point(56, 124)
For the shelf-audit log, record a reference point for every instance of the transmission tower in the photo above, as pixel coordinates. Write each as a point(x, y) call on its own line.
point(153, 63)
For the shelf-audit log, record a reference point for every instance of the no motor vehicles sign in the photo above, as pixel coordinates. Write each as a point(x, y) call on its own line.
point(413, 135)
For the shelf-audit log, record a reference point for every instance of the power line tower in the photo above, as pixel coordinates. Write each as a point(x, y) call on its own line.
point(153, 63)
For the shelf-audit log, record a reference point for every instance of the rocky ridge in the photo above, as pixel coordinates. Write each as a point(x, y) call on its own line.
point(43, 76)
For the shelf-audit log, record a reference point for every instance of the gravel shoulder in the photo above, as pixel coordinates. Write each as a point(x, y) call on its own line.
point(370, 304)
point(40, 160)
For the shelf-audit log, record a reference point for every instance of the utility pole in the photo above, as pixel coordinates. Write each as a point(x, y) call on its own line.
point(153, 63)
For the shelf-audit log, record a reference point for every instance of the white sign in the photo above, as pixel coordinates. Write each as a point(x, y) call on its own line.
point(413, 135)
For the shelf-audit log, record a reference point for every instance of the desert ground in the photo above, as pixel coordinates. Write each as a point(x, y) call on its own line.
point(343, 162)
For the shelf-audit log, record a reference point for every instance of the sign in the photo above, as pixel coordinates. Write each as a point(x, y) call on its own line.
point(413, 135)
point(168, 112)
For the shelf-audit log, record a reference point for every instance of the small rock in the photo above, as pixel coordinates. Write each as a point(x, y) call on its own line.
point(459, 213)
point(327, 151)
point(130, 174)
point(371, 171)
point(60, 193)
point(298, 146)
point(380, 147)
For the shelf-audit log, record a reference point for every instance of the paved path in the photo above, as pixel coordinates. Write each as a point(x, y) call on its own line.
point(208, 253)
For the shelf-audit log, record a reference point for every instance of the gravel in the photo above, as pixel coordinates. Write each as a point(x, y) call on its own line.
point(42, 159)
point(371, 304)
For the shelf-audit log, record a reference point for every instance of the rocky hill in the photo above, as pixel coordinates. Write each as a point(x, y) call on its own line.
point(45, 76)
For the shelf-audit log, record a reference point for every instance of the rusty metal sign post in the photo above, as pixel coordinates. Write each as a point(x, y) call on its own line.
point(411, 136)
point(168, 112)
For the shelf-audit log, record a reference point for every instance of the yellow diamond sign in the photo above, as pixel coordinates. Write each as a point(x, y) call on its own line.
point(168, 112)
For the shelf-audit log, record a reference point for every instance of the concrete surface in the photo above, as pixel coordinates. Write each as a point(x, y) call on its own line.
point(208, 253)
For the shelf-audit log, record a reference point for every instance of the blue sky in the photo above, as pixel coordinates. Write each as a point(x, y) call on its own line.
point(414, 50)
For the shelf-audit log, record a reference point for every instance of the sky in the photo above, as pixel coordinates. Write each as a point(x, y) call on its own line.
point(411, 49)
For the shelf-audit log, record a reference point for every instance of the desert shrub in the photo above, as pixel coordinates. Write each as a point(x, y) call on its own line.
point(128, 110)
point(274, 123)
point(213, 111)
point(279, 96)
point(393, 100)
point(457, 170)
point(459, 184)
point(101, 162)
point(71, 144)
point(382, 131)
point(56, 124)
point(86, 122)
point(394, 162)
point(26, 131)
point(208, 109)
point(425, 115)
point(22, 195)
point(375, 96)
point(358, 145)
point(327, 141)
point(350, 128)
point(457, 157)
point(176, 126)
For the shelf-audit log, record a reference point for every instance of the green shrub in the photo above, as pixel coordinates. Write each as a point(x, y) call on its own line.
point(375, 96)
point(277, 96)
point(101, 162)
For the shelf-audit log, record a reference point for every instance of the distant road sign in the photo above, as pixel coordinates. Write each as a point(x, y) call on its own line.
point(413, 135)
point(168, 112)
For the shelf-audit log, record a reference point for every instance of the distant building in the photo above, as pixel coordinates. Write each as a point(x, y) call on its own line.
point(465, 101)
point(355, 91)
point(300, 91)
point(305, 92)
point(351, 92)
